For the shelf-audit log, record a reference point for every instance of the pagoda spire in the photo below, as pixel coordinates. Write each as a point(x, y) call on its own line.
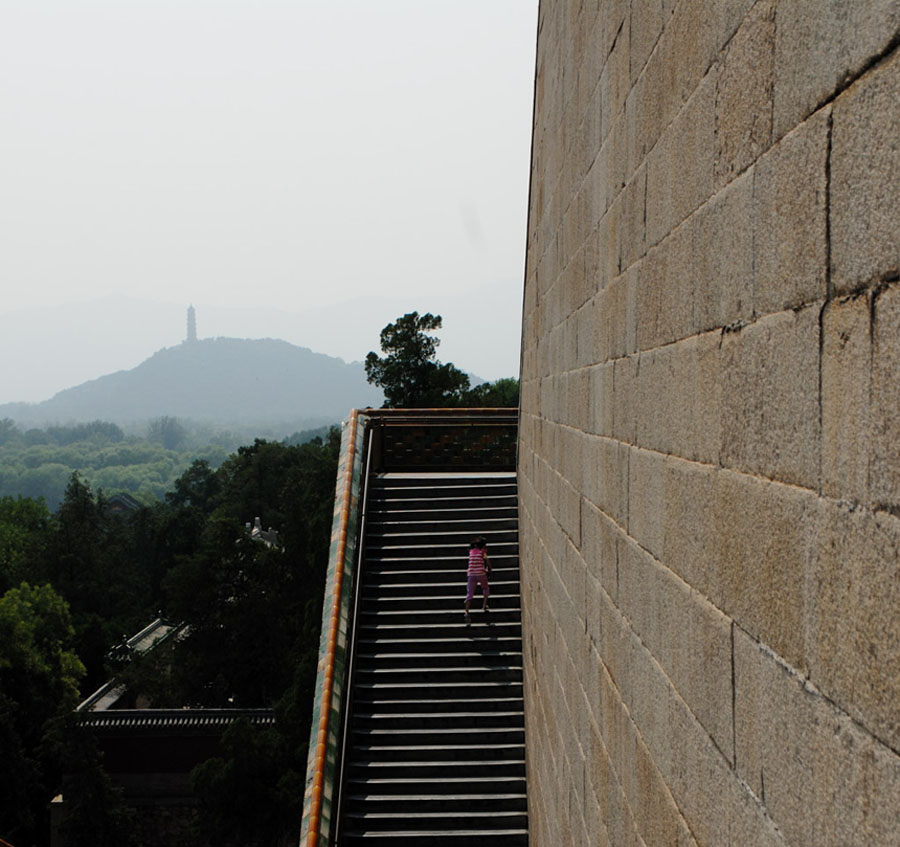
point(191, 324)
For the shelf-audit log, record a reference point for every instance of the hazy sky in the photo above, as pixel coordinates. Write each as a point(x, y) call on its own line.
point(305, 170)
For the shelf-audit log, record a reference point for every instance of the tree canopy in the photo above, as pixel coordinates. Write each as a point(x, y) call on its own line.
point(74, 582)
point(39, 674)
point(411, 377)
point(409, 373)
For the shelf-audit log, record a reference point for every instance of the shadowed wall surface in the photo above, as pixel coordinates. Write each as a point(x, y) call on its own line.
point(709, 463)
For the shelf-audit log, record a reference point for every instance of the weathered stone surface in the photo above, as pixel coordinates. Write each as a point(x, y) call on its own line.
point(646, 499)
point(789, 218)
point(865, 179)
point(692, 37)
point(819, 45)
point(744, 96)
point(823, 780)
point(606, 477)
point(761, 546)
point(648, 17)
point(710, 428)
point(688, 636)
point(623, 408)
point(722, 257)
point(690, 534)
point(663, 413)
point(884, 470)
point(846, 392)
point(770, 403)
point(680, 168)
point(664, 299)
point(619, 315)
point(633, 243)
point(854, 628)
point(601, 400)
point(648, 298)
point(701, 782)
point(706, 398)
point(614, 79)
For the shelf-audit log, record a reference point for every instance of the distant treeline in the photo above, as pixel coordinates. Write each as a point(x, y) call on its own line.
point(39, 462)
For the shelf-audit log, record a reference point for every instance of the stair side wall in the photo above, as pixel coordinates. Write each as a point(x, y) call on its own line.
point(709, 459)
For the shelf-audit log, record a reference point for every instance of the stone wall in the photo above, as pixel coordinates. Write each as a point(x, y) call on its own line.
point(710, 439)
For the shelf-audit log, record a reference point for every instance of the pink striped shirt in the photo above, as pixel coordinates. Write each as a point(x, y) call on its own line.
point(476, 561)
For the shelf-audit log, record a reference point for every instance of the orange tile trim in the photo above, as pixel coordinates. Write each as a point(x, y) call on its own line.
point(315, 811)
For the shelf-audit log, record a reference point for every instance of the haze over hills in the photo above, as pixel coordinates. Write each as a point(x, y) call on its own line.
point(46, 350)
point(215, 380)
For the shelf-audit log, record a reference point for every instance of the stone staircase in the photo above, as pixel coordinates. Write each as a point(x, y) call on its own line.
point(436, 748)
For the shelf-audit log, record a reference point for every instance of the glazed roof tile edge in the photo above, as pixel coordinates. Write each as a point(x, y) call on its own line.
point(174, 719)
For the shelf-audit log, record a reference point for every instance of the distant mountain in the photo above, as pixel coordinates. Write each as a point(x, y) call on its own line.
point(220, 380)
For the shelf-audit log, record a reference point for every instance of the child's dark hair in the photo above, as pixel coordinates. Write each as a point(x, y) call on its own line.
point(479, 542)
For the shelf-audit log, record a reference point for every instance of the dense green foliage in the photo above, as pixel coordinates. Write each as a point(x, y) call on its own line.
point(73, 582)
point(408, 373)
point(39, 674)
point(38, 463)
point(502, 393)
point(412, 378)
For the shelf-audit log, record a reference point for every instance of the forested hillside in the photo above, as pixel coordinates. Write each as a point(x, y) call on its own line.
point(222, 380)
point(71, 583)
point(39, 462)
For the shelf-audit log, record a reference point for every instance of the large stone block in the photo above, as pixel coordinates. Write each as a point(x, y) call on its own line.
point(770, 398)
point(749, 822)
point(623, 409)
point(601, 399)
point(646, 499)
point(579, 393)
point(819, 45)
point(606, 476)
point(618, 313)
point(660, 411)
point(569, 510)
point(722, 251)
point(651, 282)
point(692, 36)
point(865, 179)
point(681, 167)
point(609, 233)
point(744, 96)
point(659, 821)
point(822, 778)
point(632, 244)
point(702, 359)
point(762, 543)
point(688, 636)
point(884, 472)
point(615, 81)
point(789, 214)
point(595, 184)
point(664, 299)
point(648, 18)
point(616, 146)
point(846, 391)
point(690, 534)
point(704, 787)
point(599, 543)
point(854, 628)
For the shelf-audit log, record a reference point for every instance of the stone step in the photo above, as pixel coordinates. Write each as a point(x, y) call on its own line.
point(437, 737)
point(477, 690)
point(436, 741)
